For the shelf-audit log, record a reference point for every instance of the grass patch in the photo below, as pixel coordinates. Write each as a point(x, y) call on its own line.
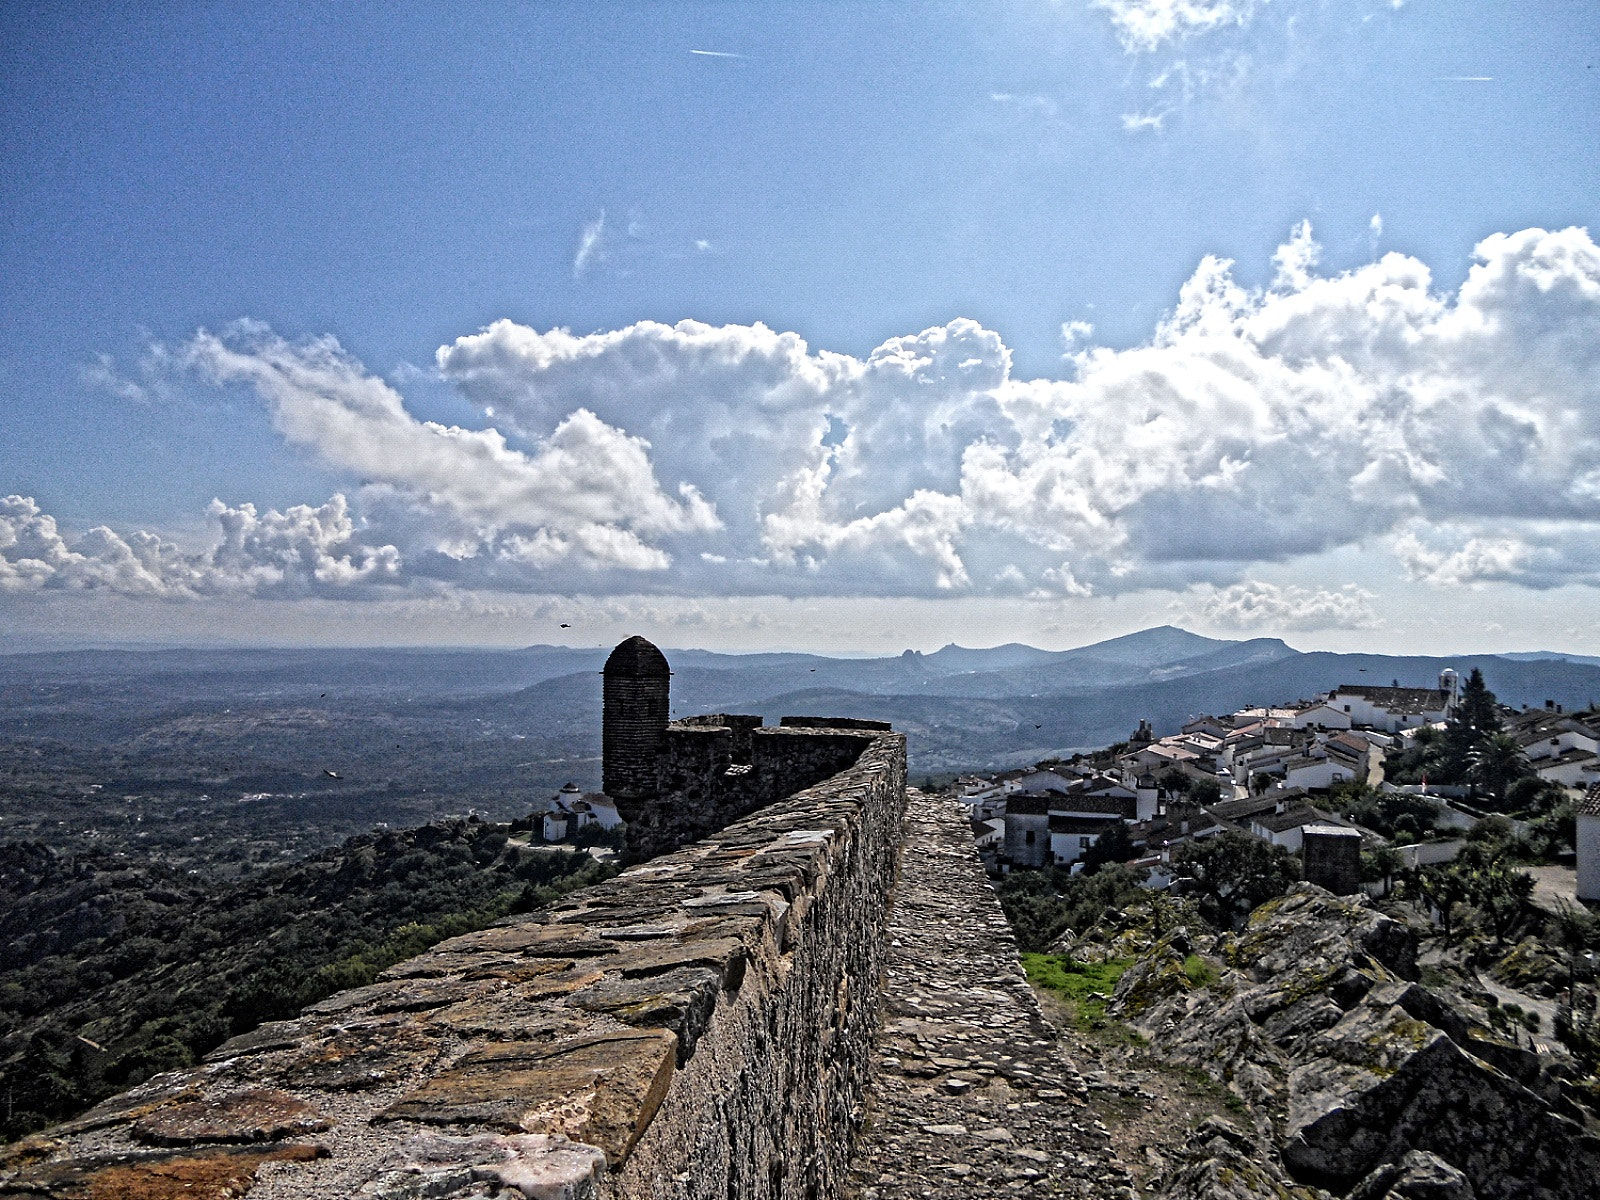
point(1199, 972)
point(1085, 988)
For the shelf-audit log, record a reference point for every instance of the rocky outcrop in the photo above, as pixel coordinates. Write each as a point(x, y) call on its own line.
point(1356, 1076)
point(699, 1026)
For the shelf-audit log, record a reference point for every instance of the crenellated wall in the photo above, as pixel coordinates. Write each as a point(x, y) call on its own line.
point(697, 1027)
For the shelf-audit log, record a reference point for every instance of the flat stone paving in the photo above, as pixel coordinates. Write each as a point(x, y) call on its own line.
point(972, 1093)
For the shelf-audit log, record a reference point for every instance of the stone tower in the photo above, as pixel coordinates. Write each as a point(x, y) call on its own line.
point(633, 720)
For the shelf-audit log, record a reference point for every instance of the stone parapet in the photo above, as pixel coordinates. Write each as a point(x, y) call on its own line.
point(711, 774)
point(700, 1026)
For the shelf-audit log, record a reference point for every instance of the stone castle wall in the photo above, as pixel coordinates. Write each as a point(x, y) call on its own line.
point(716, 769)
point(698, 1027)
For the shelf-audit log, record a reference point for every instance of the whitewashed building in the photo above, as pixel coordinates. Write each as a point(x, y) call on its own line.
point(1589, 845)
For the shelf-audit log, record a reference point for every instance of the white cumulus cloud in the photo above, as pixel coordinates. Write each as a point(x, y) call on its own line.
point(586, 495)
point(1322, 411)
point(1146, 25)
point(1258, 605)
point(301, 551)
point(1458, 430)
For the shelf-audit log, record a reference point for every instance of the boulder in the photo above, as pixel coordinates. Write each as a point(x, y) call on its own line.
point(1417, 1176)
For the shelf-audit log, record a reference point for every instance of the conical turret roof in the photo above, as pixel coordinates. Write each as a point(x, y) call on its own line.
point(637, 657)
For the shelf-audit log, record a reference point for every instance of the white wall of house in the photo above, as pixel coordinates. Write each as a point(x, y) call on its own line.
point(1290, 839)
point(1316, 773)
point(1588, 856)
point(1363, 711)
point(1575, 772)
point(1069, 847)
point(1554, 747)
point(1321, 716)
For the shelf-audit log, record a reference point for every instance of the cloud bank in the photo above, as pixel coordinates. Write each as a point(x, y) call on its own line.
point(1460, 433)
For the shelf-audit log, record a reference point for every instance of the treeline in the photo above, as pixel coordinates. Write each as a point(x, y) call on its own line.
point(113, 970)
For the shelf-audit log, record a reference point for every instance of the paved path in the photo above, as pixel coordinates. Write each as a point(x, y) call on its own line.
point(972, 1094)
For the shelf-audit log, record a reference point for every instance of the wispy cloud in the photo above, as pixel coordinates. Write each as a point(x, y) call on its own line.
point(589, 245)
point(716, 54)
point(1028, 102)
point(1151, 122)
point(1465, 79)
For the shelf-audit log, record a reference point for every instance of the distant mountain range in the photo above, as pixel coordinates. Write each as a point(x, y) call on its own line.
point(962, 708)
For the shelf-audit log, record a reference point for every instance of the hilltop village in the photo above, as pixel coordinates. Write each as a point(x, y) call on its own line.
point(1326, 778)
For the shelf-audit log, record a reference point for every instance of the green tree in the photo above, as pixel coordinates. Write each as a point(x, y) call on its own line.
point(1383, 864)
point(1530, 794)
point(1232, 873)
point(1574, 929)
point(1205, 791)
point(1476, 717)
point(1115, 845)
point(1174, 782)
point(1443, 889)
point(1503, 895)
point(1495, 762)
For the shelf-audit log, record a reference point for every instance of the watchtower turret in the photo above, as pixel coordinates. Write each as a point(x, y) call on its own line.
point(633, 722)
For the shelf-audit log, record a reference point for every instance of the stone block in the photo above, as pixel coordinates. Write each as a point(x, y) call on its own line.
point(601, 1090)
point(217, 1174)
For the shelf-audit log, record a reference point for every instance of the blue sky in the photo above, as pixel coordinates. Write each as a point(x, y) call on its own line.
point(282, 290)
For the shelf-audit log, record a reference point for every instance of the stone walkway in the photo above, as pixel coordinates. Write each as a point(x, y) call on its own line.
point(971, 1092)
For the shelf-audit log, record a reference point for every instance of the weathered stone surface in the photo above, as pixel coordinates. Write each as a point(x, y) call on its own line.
point(219, 1174)
point(359, 1057)
point(599, 1090)
point(1417, 1176)
point(254, 1115)
point(1382, 1083)
point(1346, 1065)
point(723, 956)
point(439, 1166)
point(404, 995)
point(1224, 1163)
point(971, 1093)
point(681, 1000)
point(766, 1107)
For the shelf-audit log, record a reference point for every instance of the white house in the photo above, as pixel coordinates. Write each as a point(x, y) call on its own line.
point(572, 809)
point(1287, 828)
point(1589, 845)
point(1320, 715)
point(1027, 825)
point(1391, 709)
point(1320, 771)
point(1071, 836)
